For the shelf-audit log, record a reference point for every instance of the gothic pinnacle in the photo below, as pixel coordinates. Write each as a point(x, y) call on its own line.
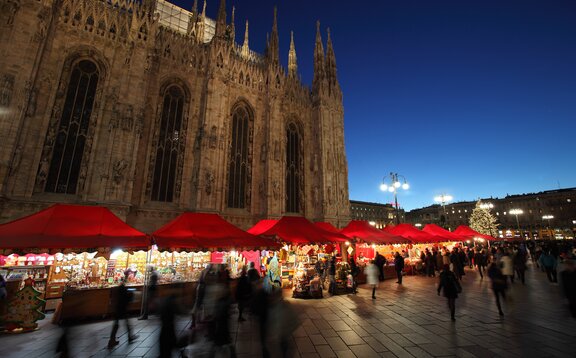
point(274, 47)
point(221, 20)
point(330, 60)
point(245, 46)
point(319, 58)
point(292, 63)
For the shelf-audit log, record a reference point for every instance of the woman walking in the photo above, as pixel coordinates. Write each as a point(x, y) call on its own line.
point(372, 277)
point(449, 282)
point(499, 285)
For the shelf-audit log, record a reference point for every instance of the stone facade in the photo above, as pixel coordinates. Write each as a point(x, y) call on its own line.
point(137, 55)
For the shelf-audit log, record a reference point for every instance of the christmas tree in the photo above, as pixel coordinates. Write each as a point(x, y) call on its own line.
point(483, 221)
point(23, 308)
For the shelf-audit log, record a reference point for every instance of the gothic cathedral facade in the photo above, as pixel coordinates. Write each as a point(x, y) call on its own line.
point(152, 110)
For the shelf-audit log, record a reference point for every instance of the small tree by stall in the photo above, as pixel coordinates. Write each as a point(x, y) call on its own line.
point(483, 221)
point(23, 308)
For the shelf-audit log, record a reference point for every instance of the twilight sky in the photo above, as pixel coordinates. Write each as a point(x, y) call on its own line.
point(471, 98)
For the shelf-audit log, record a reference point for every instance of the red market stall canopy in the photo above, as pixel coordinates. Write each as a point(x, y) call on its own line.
point(326, 226)
point(296, 230)
point(71, 226)
point(470, 234)
point(200, 231)
point(410, 232)
point(369, 234)
point(443, 233)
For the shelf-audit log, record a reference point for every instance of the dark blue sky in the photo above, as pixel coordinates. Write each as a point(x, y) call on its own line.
point(472, 98)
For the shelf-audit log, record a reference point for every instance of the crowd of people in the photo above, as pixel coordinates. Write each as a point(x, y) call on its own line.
point(259, 299)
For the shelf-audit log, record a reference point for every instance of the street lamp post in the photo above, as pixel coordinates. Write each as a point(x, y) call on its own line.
point(393, 188)
point(548, 217)
point(443, 199)
point(517, 212)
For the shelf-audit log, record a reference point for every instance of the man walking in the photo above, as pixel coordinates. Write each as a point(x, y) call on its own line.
point(398, 266)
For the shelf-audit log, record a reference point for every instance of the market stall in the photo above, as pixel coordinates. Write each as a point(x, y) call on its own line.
point(66, 248)
point(469, 234)
point(370, 240)
point(305, 245)
point(208, 238)
point(422, 240)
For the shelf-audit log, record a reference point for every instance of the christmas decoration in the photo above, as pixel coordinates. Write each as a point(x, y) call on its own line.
point(22, 312)
point(483, 221)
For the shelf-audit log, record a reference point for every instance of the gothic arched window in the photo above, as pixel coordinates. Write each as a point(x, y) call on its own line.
point(70, 137)
point(239, 163)
point(170, 145)
point(294, 168)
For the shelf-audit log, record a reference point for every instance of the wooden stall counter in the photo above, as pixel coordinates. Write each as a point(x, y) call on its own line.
point(97, 303)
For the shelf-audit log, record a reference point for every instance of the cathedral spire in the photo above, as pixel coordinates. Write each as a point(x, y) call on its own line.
point(330, 61)
point(221, 20)
point(292, 65)
point(273, 50)
point(319, 60)
point(232, 26)
point(200, 24)
point(195, 7)
point(192, 27)
point(245, 46)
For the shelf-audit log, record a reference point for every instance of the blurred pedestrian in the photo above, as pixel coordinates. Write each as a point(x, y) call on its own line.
point(283, 321)
point(507, 266)
point(372, 277)
point(449, 283)
point(168, 338)
point(151, 293)
point(220, 325)
point(470, 255)
point(568, 279)
point(499, 285)
point(332, 275)
point(549, 263)
point(200, 293)
point(260, 307)
point(519, 262)
point(398, 266)
point(479, 262)
point(380, 261)
point(243, 293)
point(430, 262)
point(354, 271)
point(252, 273)
point(123, 299)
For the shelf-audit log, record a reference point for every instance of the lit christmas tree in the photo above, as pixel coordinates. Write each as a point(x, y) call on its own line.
point(23, 308)
point(483, 221)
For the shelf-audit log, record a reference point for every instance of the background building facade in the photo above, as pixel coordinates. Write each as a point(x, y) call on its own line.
point(559, 204)
point(152, 110)
point(378, 214)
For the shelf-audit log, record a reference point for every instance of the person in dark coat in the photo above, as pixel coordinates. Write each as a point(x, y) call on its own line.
point(260, 307)
point(123, 299)
point(252, 273)
point(354, 271)
point(499, 285)
point(451, 286)
point(470, 254)
point(519, 262)
point(457, 263)
point(398, 266)
point(332, 274)
point(168, 338)
point(151, 293)
point(479, 262)
point(429, 260)
point(243, 293)
point(220, 326)
point(568, 279)
point(380, 262)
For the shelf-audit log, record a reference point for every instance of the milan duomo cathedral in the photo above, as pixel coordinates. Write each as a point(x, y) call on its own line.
point(152, 110)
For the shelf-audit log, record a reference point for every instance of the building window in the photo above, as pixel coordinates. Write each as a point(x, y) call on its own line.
point(170, 145)
point(294, 168)
point(239, 168)
point(70, 140)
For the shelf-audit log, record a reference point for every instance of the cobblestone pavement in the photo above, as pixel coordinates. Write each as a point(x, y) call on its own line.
point(404, 321)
